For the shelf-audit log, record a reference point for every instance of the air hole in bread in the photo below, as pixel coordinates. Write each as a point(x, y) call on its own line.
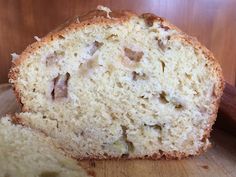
point(178, 106)
point(49, 174)
point(112, 37)
point(161, 152)
point(137, 76)
point(129, 143)
point(163, 66)
point(82, 133)
point(214, 91)
point(143, 105)
point(160, 43)
point(133, 55)
point(125, 155)
point(163, 98)
point(60, 89)
point(130, 117)
point(61, 36)
point(143, 97)
point(113, 116)
point(196, 92)
point(105, 154)
point(119, 85)
point(156, 126)
point(166, 28)
point(188, 76)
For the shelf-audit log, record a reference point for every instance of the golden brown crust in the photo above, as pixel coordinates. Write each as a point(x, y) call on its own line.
point(100, 17)
point(70, 25)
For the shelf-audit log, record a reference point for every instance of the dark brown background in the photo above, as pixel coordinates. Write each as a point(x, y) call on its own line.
point(213, 22)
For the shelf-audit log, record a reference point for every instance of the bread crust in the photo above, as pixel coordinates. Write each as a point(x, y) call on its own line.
point(100, 17)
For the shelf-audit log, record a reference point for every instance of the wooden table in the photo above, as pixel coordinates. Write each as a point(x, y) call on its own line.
point(213, 22)
point(219, 161)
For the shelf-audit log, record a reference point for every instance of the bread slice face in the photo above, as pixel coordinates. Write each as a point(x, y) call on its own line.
point(111, 85)
point(26, 152)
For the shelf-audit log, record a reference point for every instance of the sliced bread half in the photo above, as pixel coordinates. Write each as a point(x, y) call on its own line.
point(116, 84)
point(27, 153)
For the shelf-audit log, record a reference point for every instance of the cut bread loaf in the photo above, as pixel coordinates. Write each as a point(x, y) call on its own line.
point(27, 153)
point(115, 84)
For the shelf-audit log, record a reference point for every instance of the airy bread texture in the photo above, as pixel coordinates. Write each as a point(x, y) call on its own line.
point(115, 84)
point(27, 153)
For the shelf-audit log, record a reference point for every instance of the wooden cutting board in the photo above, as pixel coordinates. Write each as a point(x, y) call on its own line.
point(219, 161)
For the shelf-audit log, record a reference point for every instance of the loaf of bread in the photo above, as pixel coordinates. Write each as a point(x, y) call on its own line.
point(27, 153)
point(116, 84)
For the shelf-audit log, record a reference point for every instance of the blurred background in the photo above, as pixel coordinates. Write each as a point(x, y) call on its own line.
point(213, 22)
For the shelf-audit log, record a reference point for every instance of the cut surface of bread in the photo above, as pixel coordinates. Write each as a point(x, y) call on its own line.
point(111, 85)
point(27, 153)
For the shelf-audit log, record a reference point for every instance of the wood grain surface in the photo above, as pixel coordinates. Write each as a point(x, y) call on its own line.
point(213, 22)
point(219, 161)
